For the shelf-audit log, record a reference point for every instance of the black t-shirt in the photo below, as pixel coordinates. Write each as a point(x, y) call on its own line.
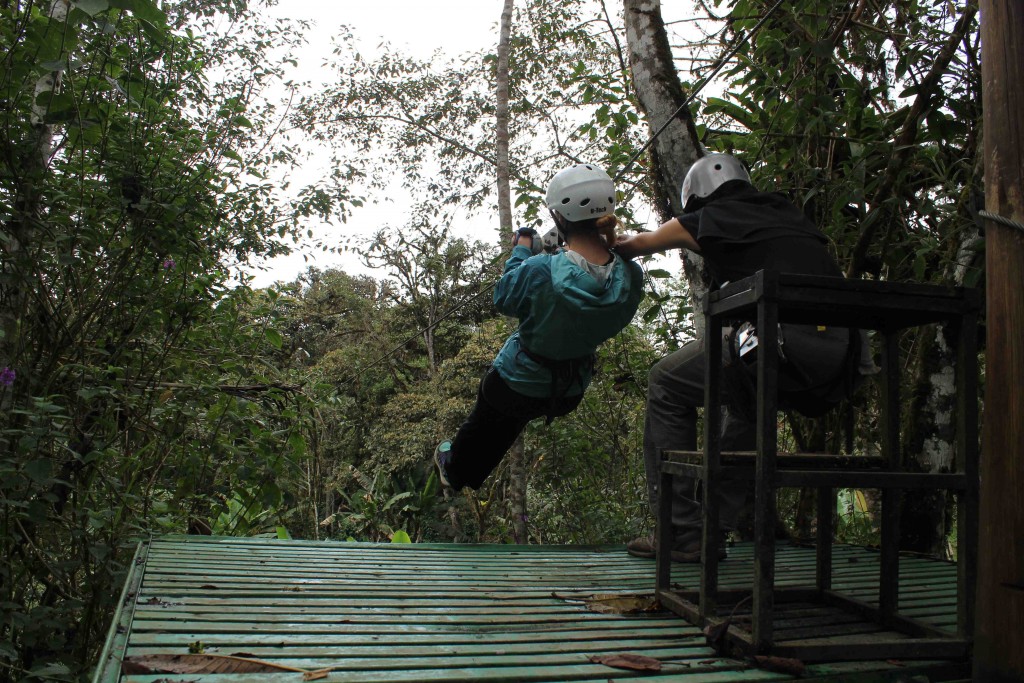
point(747, 231)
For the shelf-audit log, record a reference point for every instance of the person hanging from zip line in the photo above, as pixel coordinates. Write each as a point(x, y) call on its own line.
point(567, 304)
point(738, 231)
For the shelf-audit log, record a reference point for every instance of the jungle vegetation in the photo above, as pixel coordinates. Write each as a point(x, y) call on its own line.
point(147, 388)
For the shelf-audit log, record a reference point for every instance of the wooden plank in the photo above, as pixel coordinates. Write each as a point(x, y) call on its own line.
point(694, 647)
point(706, 674)
point(388, 638)
point(445, 658)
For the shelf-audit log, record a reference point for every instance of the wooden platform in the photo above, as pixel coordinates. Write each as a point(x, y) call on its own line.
point(360, 612)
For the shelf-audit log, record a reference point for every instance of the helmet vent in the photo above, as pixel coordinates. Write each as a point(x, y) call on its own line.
point(611, 200)
point(566, 200)
point(589, 167)
point(718, 167)
point(585, 201)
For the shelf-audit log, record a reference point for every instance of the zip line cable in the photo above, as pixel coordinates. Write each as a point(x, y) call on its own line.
point(740, 42)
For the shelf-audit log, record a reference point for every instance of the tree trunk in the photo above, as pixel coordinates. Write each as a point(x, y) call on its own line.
point(660, 96)
point(518, 472)
point(501, 127)
point(999, 633)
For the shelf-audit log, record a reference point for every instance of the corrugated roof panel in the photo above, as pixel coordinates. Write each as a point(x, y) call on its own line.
point(450, 612)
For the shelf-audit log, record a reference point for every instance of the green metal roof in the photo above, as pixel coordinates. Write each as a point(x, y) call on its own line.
point(454, 612)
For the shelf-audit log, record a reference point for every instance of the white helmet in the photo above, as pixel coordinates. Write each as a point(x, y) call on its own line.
point(580, 192)
point(709, 173)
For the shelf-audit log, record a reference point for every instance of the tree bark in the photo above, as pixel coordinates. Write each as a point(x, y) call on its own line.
point(518, 472)
point(999, 628)
point(660, 96)
point(501, 126)
point(929, 446)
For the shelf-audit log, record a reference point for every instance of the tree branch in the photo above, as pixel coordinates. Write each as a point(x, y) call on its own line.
point(904, 143)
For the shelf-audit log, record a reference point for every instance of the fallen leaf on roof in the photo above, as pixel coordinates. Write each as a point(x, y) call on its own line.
point(622, 604)
point(782, 665)
point(626, 660)
point(198, 664)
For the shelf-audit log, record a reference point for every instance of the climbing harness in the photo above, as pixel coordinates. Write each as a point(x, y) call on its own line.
point(811, 401)
point(563, 373)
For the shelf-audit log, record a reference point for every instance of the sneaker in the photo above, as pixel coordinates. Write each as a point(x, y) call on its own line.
point(442, 456)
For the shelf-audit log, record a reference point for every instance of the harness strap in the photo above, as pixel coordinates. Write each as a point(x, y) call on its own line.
point(812, 401)
point(563, 372)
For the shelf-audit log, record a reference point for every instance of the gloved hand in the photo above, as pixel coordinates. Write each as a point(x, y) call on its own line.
point(536, 244)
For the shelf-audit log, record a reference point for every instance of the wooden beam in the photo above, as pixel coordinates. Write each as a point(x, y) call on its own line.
point(999, 631)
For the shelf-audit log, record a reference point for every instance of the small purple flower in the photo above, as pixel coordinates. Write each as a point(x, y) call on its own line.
point(7, 377)
point(169, 264)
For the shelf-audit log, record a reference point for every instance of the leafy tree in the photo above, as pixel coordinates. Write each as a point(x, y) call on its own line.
point(868, 118)
point(133, 173)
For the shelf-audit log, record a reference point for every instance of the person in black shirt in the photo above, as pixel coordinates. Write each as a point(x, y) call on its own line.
point(738, 231)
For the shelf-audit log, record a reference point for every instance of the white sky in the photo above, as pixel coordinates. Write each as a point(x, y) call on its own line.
point(417, 28)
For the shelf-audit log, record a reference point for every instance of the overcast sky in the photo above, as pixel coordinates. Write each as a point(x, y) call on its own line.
point(417, 28)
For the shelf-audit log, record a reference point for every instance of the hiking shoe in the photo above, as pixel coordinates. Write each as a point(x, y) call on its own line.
point(690, 552)
point(442, 456)
point(641, 547)
point(646, 547)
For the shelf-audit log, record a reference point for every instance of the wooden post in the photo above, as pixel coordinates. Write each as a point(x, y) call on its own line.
point(999, 632)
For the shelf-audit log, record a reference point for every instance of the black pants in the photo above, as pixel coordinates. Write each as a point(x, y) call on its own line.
point(499, 416)
point(676, 389)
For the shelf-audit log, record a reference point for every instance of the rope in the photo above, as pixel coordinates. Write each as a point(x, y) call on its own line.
point(1002, 220)
point(740, 42)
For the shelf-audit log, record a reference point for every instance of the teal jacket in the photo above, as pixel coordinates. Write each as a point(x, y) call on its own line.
point(563, 314)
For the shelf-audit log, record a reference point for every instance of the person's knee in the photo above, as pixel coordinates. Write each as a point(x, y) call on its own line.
point(667, 389)
point(658, 376)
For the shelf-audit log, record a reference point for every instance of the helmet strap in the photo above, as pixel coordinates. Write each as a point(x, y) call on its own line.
point(559, 225)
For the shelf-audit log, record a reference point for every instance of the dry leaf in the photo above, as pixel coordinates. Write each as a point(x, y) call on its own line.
point(626, 660)
point(622, 604)
point(198, 664)
point(316, 675)
point(782, 665)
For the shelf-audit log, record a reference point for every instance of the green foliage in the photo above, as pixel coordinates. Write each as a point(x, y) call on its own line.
point(873, 127)
point(855, 521)
point(144, 398)
point(818, 106)
point(381, 507)
point(434, 123)
point(151, 393)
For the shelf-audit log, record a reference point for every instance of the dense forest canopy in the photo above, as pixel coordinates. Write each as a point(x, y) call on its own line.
point(146, 389)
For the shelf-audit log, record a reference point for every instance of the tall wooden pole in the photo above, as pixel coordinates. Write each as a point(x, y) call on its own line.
point(999, 632)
